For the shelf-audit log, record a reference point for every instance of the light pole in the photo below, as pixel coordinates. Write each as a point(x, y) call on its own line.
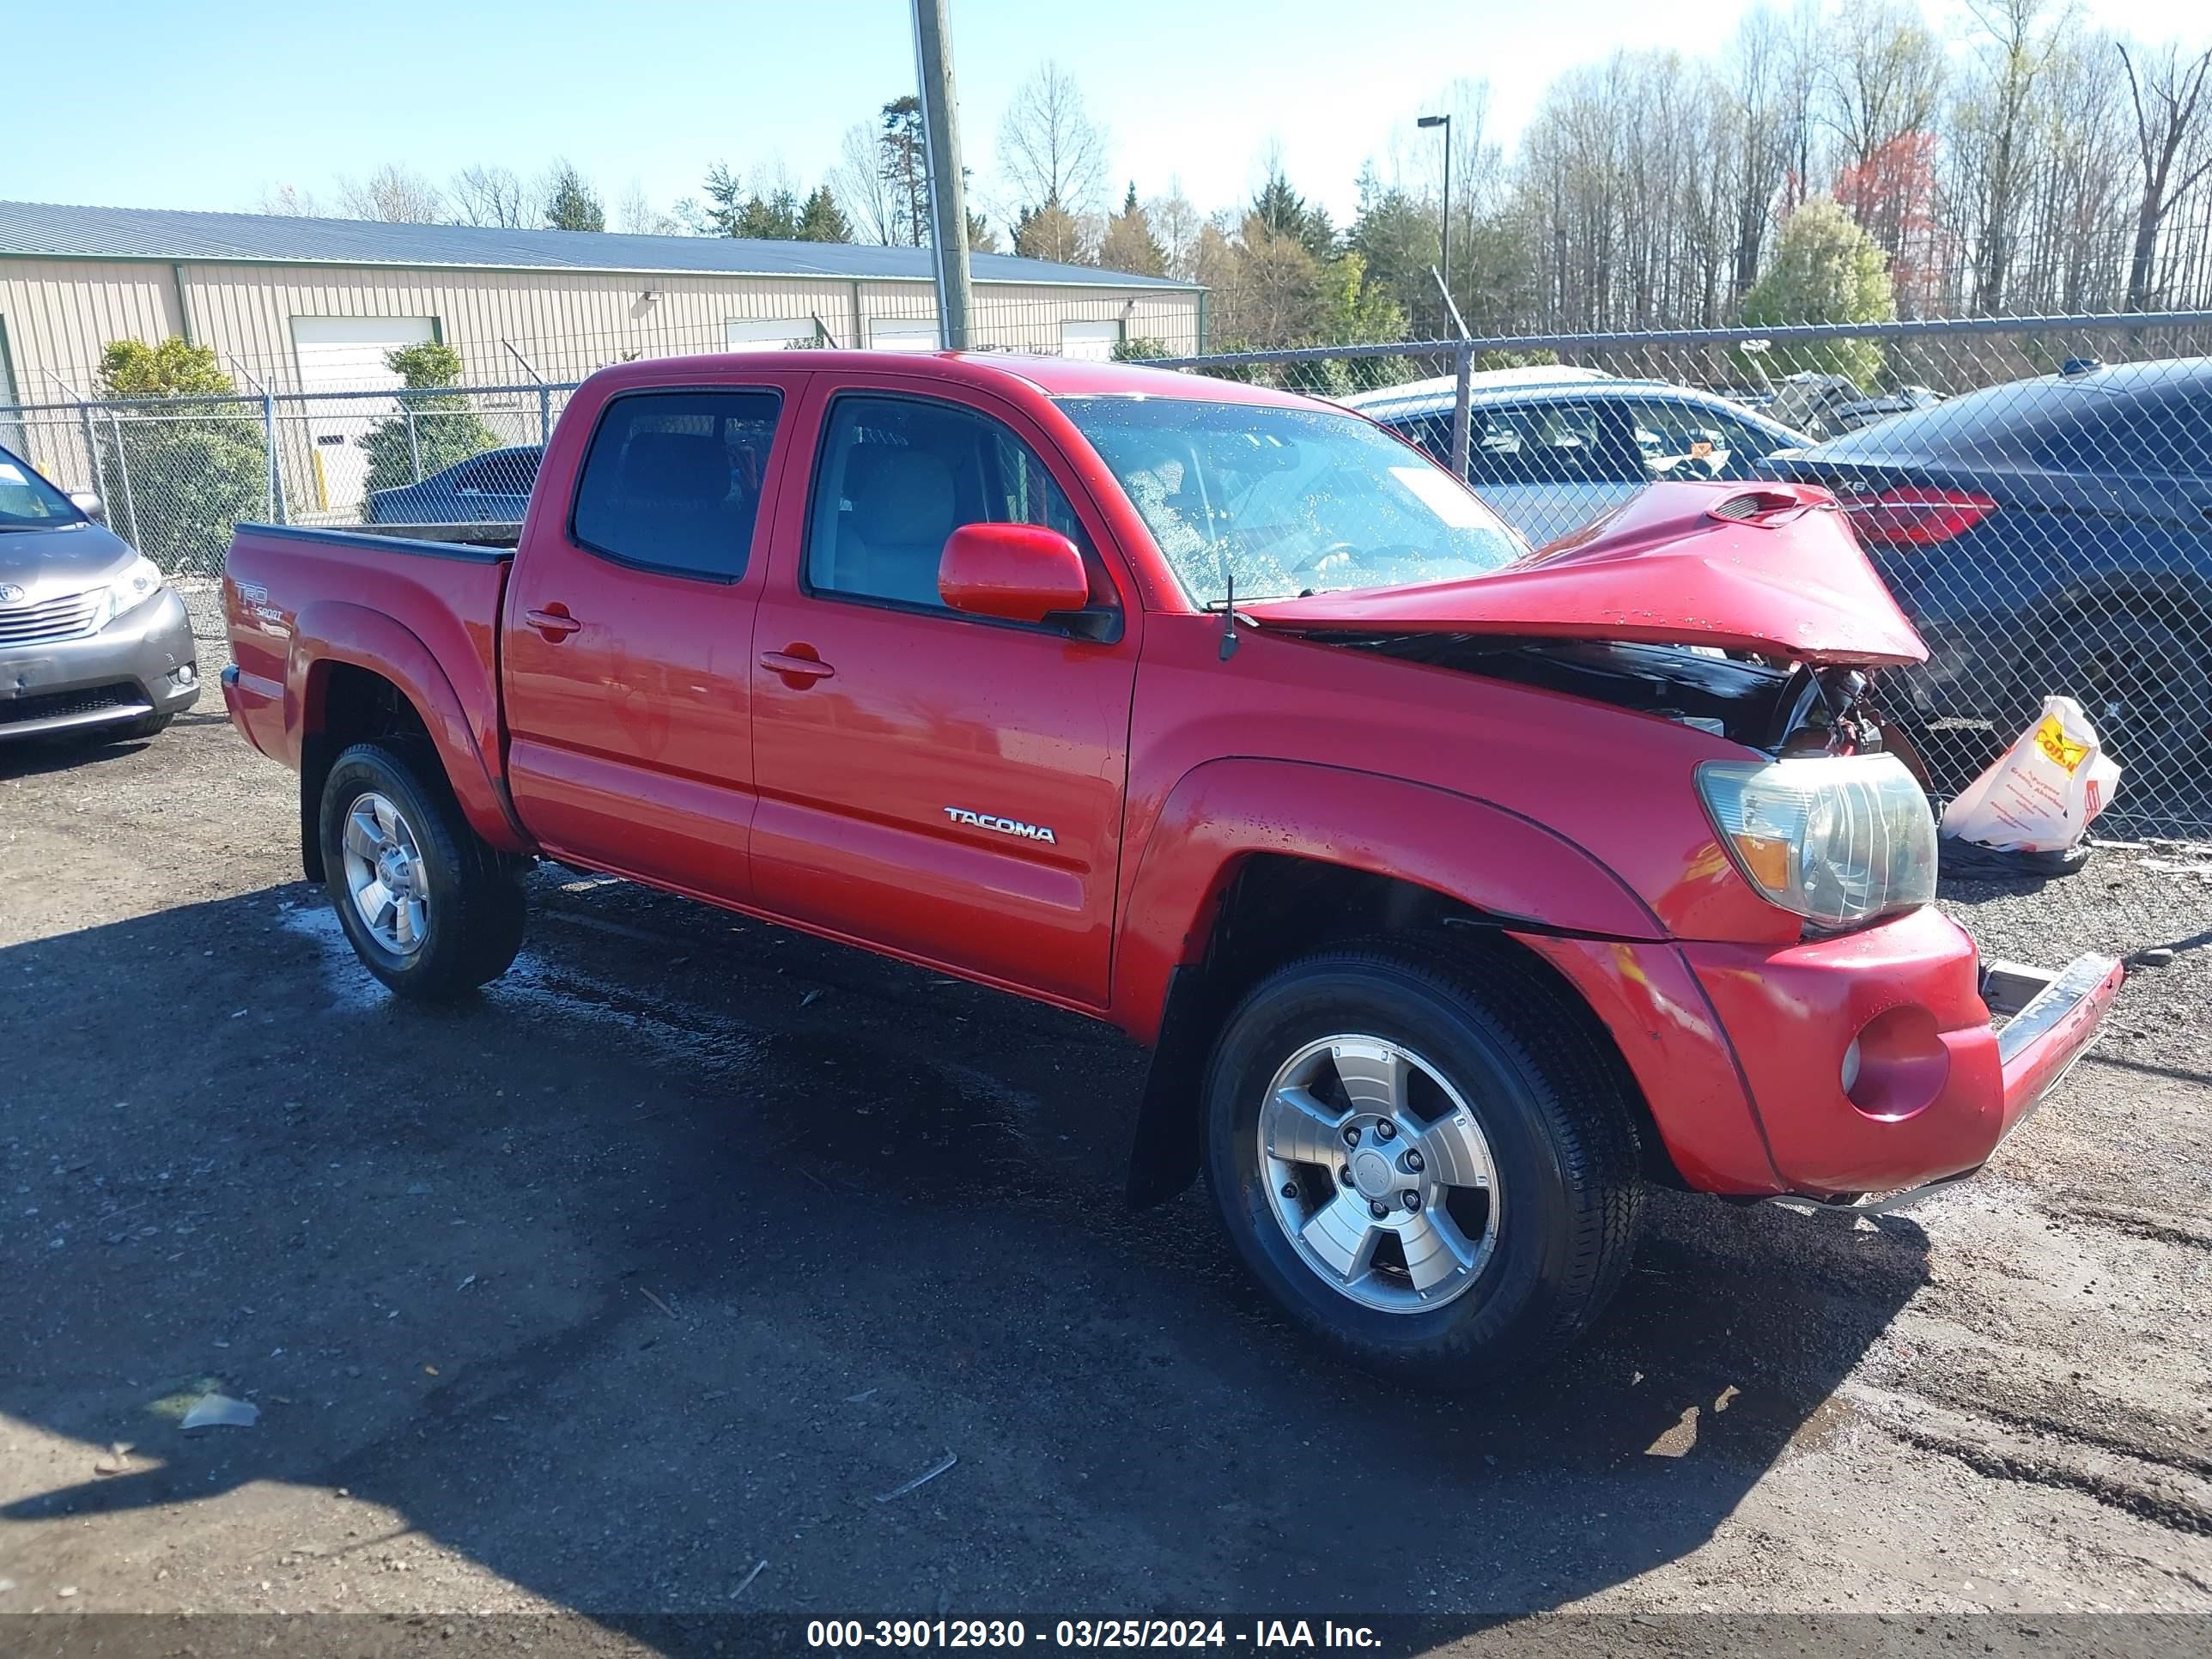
point(1444, 121)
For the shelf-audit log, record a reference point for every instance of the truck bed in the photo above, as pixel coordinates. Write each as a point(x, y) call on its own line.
point(295, 596)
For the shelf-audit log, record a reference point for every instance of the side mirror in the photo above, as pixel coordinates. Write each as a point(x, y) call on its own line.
point(1015, 571)
point(87, 502)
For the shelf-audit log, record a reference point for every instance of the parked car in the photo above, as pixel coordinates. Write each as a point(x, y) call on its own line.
point(1826, 405)
point(2052, 535)
point(93, 638)
point(1550, 449)
point(492, 487)
point(1456, 898)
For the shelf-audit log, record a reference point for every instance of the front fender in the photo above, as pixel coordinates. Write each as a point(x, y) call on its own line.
point(1219, 813)
point(327, 632)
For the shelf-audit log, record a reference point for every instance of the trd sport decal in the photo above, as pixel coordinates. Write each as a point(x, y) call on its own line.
point(1004, 826)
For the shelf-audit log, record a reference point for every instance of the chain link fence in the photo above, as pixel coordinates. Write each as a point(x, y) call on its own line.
point(2037, 493)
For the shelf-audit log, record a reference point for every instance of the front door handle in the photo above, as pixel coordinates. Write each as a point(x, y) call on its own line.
point(798, 665)
point(554, 622)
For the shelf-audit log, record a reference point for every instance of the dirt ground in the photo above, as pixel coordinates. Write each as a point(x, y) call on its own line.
point(645, 1282)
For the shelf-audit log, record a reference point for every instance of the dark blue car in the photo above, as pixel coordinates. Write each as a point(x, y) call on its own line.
point(2049, 536)
point(493, 488)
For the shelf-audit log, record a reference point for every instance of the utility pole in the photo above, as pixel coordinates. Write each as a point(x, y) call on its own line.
point(948, 196)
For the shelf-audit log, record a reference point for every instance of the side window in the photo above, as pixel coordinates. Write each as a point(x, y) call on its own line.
point(672, 480)
point(898, 476)
point(1692, 442)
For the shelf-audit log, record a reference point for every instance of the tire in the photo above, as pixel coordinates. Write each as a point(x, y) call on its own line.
point(1483, 1042)
point(471, 908)
point(146, 726)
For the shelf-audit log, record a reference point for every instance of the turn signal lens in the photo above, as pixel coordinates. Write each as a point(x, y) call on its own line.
point(1838, 839)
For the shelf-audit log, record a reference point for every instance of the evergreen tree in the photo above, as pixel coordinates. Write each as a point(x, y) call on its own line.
point(820, 220)
point(1049, 232)
point(570, 204)
point(903, 162)
point(1129, 244)
point(445, 428)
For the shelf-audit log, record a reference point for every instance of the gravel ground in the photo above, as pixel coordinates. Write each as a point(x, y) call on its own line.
point(687, 1246)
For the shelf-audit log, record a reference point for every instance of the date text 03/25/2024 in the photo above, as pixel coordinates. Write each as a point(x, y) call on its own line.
point(1263, 1633)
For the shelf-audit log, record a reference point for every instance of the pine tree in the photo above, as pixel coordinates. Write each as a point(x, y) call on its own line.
point(1129, 244)
point(902, 160)
point(820, 220)
point(569, 203)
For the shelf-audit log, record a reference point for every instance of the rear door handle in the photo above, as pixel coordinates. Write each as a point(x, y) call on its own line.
point(554, 622)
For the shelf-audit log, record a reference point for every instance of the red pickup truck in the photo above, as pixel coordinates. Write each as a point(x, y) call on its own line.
point(1460, 891)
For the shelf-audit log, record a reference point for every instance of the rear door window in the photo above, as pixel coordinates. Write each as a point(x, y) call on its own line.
point(672, 480)
point(1688, 442)
point(1563, 442)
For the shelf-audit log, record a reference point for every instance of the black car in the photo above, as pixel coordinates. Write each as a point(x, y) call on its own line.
point(493, 488)
point(2047, 536)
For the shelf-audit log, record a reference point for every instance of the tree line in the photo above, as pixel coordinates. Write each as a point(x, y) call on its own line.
point(2023, 163)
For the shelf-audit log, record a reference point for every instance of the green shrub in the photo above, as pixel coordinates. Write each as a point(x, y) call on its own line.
point(178, 481)
point(446, 429)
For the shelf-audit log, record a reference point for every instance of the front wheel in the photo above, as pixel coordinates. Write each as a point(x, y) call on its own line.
point(430, 910)
point(1422, 1160)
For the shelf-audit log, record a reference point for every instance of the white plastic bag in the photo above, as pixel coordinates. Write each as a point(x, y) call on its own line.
point(2040, 794)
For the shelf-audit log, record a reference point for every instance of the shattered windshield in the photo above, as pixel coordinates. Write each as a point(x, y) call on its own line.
point(1288, 501)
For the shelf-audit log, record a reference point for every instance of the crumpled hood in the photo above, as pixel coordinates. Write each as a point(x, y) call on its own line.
point(1767, 567)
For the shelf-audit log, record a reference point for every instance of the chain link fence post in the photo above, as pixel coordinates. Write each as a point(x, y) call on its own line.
point(1462, 400)
point(276, 464)
point(545, 414)
point(123, 473)
point(91, 446)
point(414, 440)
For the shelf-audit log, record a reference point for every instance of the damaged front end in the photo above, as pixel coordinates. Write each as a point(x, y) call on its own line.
point(1782, 709)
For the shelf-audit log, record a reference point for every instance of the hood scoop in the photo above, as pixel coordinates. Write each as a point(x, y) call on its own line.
point(1772, 569)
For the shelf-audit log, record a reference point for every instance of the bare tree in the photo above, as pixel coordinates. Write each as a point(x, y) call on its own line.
point(491, 196)
point(1050, 152)
point(1177, 223)
point(1990, 130)
point(637, 217)
point(395, 194)
point(288, 201)
point(1884, 86)
point(862, 191)
point(2168, 101)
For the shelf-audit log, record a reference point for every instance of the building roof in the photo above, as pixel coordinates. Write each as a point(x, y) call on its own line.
point(46, 230)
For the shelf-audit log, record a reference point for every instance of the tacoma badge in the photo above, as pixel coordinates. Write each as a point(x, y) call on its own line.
point(1004, 826)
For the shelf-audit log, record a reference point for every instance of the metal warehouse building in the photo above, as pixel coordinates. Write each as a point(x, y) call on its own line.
point(312, 305)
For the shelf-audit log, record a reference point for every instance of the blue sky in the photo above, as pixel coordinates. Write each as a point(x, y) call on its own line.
point(206, 104)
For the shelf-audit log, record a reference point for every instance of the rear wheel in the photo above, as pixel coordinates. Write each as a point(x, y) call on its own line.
point(1423, 1159)
point(430, 910)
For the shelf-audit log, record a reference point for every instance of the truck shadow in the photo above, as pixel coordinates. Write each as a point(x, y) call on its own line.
point(689, 1243)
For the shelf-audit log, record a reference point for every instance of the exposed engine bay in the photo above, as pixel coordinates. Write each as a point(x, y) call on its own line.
point(1780, 708)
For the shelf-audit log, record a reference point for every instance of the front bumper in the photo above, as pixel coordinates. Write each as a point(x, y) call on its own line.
point(1870, 1059)
point(142, 664)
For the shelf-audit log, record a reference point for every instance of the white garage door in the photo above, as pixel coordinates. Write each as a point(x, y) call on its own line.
point(1092, 342)
point(346, 354)
point(902, 334)
point(768, 333)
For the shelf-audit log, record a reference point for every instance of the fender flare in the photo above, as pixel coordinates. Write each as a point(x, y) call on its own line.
point(1485, 856)
point(1221, 812)
point(331, 631)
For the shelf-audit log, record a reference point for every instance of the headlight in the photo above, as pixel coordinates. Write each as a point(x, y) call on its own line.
point(1837, 839)
point(131, 590)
